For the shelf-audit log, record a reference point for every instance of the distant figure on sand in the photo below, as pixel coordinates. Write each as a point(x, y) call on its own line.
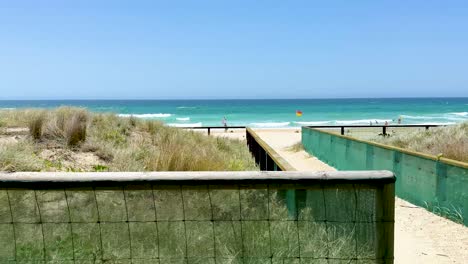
point(224, 122)
point(399, 120)
point(386, 123)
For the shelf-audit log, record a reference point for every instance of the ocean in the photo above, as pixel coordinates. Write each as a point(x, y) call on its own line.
point(274, 113)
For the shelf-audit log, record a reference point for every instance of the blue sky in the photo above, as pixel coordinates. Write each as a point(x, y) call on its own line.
point(232, 49)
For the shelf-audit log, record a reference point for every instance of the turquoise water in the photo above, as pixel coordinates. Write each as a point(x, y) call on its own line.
point(276, 113)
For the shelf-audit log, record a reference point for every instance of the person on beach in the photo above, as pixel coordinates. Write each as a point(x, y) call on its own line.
point(224, 122)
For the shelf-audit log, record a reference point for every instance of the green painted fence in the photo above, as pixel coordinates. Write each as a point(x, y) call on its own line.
point(197, 217)
point(440, 185)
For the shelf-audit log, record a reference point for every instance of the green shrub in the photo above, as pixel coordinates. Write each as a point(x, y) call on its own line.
point(100, 168)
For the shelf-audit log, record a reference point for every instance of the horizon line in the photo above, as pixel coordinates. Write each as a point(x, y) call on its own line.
point(227, 99)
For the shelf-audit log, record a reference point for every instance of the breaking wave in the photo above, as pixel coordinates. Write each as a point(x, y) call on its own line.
point(159, 115)
point(187, 107)
point(361, 121)
point(460, 114)
point(313, 123)
point(272, 124)
point(418, 117)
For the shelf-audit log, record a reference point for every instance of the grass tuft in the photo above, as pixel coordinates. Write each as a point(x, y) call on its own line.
point(296, 147)
point(35, 125)
point(75, 131)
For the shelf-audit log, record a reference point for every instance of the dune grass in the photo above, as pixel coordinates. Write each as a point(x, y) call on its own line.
point(115, 143)
point(19, 157)
point(448, 142)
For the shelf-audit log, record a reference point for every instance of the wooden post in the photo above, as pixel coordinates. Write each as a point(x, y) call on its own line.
point(209, 131)
point(342, 130)
point(270, 166)
point(263, 155)
point(385, 216)
point(427, 127)
point(259, 155)
point(384, 130)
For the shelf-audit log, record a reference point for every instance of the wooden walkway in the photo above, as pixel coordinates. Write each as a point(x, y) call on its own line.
point(282, 140)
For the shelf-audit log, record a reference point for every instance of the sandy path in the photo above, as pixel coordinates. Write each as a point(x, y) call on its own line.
point(282, 139)
point(423, 237)
point(420, 236)
point(231, 133)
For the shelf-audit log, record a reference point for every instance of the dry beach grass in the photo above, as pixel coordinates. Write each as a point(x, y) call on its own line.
point(73, 139)
point(446, 141)
point(449, 142)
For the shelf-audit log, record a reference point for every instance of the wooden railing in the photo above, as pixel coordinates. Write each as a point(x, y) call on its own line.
point(269, 160)
point(209, 128)
point(265, 157)
point(383, 127)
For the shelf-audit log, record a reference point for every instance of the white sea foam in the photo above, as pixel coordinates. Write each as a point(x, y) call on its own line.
point(183, 118)
point(313, 123)
point(159, 115)
point(460, 113)
point(272, 124)
point(199, 124)
point(458, 116)
point(361, 121)
point(436, 123)
point(419, 117)
point(456, 119)
point(187, 107)
point(7, 108)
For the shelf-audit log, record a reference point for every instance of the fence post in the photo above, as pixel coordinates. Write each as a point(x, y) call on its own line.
point(209, 131)
point(427, 127)
point(342, 130)
point(261, 161)
point(384, 130)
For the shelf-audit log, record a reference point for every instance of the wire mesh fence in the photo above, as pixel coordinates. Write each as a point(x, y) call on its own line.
point(209, 223)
